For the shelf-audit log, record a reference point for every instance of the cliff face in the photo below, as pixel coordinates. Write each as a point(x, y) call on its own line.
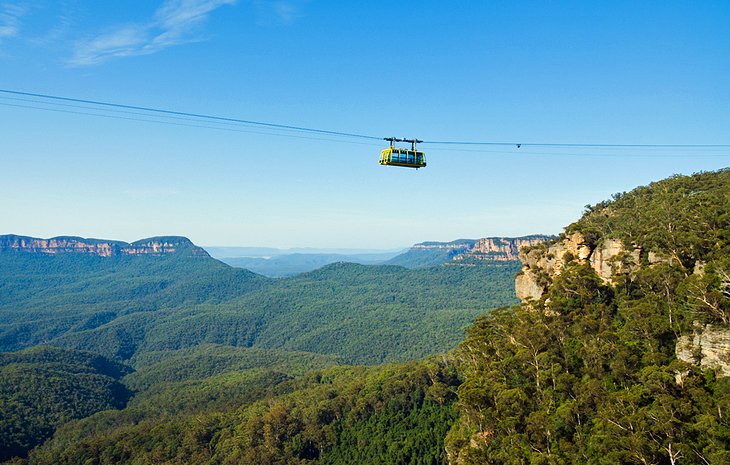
point(488, 248)
point(102, 248)
point(674, 227)
point(500, 248)
point(541, 264)
point(708, 346)
point(465, 250)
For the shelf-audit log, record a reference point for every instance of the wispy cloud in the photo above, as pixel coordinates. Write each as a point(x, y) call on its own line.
point(282, 11)
point(287, 12)
point(10, 14)
point(174, 23)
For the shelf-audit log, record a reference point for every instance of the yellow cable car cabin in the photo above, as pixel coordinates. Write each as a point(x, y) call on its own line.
point(407, 158)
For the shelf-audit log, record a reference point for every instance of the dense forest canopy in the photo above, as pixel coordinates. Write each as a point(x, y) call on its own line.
point(44, 387)
point(589, 372)
point(203, 336)
point(122, 307)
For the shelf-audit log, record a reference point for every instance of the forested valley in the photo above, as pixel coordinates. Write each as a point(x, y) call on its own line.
point(182, 359)
point(191, 335)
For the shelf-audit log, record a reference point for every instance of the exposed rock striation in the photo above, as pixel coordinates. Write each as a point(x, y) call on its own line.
point(708, 347)
point(465, 251)
point(103, 248)
point(500, 248)
point(488, 248)
point(609, 258)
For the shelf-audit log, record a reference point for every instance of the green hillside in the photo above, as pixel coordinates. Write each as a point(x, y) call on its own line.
point(124, 306)
point(365, 314)
point(45, 387)
point(168, 315)
point(196, 363)
point(589, 373)
point(43, 298)
point(367, 415)
point(375, 314)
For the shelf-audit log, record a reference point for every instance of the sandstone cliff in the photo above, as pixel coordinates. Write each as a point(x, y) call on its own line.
point(103, 248)
point(500, 248)
point(708, 346)
point(609, 258)
point(465, 251)
point(488, 248)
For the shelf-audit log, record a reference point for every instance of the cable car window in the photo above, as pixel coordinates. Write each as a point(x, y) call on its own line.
point(397, 156)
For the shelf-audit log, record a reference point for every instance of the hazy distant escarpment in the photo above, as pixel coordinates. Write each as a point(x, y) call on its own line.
point(104, 248)
point(487, 249)
point(425, 254)
point(500, 248)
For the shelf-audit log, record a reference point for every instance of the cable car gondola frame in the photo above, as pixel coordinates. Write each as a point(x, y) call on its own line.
point(406, 158)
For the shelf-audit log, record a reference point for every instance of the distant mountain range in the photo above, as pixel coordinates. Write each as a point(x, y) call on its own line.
point(268, 252)
point(277, 263)
point(465, 250)
point(104, 248)
point(120, 300)
point(280, 266)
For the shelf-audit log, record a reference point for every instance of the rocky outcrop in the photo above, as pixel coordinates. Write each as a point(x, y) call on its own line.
point(708, 347)
point(527, 287)
point(500, 248)
point(612, 258)
point(609, 259)
point(488, 248)
point(98, 247)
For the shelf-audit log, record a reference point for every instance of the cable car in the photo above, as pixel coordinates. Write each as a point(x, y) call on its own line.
point(407, 158)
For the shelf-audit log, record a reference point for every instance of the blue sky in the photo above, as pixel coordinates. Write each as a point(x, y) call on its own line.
point(528, 71)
